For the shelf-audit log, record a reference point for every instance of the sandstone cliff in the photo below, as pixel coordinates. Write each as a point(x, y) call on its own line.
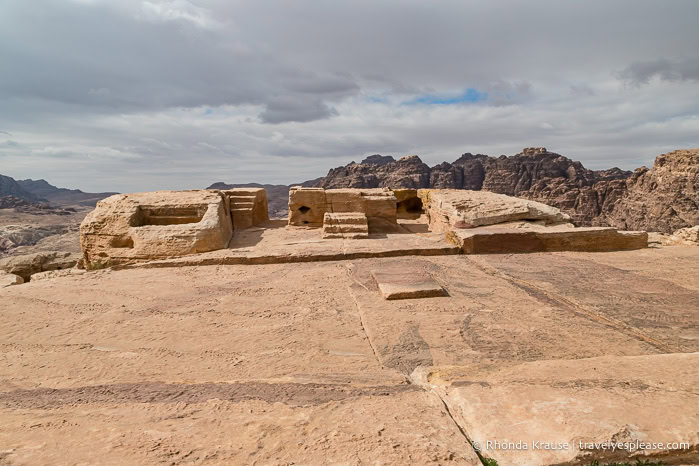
point(662, 199)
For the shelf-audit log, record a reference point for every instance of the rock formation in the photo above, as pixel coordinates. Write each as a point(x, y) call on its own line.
point(408, 172)
point(450, 209)
point(688, 236)
point(10, 187)
point(145, 226)
point(661, 199)
point(12, 236)
point(26, 265)
point(248, 206)
point(308, 206)
point(349, 225)
point(9, 279)
point(277, 195)
point(129, 227)
point(664, 198)
point(34, 208)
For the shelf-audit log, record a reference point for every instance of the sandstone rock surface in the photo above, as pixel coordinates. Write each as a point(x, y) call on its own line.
point(9, 279)
point(345, 225)
point(688, 236)
point(406, 283)
point(248, 206)
point(307, 206)
point(664, 198)
point(13, 236)
point(160, 224)
point(451, 209)
point(500, 240)
point(306, 363)
point(26, 265)
point(556, 412)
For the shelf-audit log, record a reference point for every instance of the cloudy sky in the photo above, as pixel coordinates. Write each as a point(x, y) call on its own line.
point(129, 95)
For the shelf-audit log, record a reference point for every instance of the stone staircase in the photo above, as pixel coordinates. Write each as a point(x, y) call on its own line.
point(346, 225)
point(248, 206)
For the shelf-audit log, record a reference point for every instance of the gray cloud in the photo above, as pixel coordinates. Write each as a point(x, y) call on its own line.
point(146, 94)
point(668, 70)
point(286, 109)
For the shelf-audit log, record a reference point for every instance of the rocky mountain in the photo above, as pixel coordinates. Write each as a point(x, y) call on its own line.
point(10, 187)
point(61, 196)
point(42, 192)
point(663, 198)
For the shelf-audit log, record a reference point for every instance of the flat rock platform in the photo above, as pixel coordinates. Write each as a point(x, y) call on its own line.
point(306, 363)
point(276, 243)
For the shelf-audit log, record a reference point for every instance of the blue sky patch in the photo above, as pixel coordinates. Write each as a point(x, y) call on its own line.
point(470, 95)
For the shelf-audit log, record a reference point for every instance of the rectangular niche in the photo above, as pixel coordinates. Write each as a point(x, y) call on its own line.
point(164, 215)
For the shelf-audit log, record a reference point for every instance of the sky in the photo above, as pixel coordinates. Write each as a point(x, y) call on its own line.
point(135, 95)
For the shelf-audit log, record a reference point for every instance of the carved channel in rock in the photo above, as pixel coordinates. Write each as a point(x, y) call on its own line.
point(169, 215)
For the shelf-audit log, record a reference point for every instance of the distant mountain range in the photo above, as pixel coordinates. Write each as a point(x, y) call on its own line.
point(663, 198)
point(42, 192)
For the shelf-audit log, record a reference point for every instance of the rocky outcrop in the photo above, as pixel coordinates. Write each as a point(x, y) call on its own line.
point(535, 174)
point(144, 226)
point(664, 198)
point(687, 236)
point(661, 199)
point(452, 209)
point(26, 265)
point(34, 208)
point(534, 238)
point(308, 206)
point(9, 279)
point(12, 236)
point(378, 159)
point(408, 172)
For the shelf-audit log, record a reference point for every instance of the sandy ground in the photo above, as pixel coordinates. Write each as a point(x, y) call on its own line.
point(305, 363)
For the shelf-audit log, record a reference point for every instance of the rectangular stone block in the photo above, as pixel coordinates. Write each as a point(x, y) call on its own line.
point(511, 240)
point(406, 283)
point(307, 206)
point(345, 225)
point(144, 226)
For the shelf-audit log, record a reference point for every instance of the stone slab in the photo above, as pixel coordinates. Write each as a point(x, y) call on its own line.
point(406, 283)
point(450, 209)
point(350, 225)
point(9, 279)
point(501, 240)
point(573, 411)
point(277, 245)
